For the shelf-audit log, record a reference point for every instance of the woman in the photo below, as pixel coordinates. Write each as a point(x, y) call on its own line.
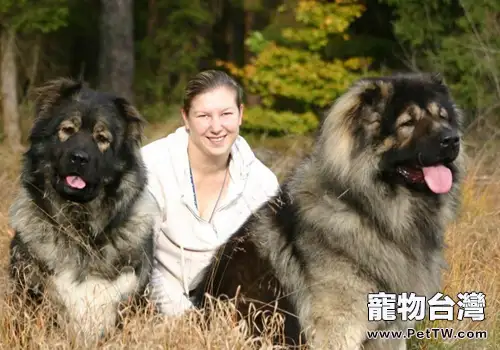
point(206, 181)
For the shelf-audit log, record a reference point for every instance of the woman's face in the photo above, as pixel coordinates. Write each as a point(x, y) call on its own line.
point(214, 121)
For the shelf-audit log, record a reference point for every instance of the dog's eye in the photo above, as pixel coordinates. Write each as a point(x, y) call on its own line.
point(407, 123)
point(68, 130)
point(102, 139)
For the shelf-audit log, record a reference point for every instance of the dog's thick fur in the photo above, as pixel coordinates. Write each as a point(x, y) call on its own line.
point(86, 249)
point(356, 217)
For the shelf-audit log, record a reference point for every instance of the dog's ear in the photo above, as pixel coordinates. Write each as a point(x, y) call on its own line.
point(135, 122)
point(48, 94)
point(373, 92)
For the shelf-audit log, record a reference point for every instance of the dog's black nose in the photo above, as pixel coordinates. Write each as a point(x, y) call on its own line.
point(449, 139)
point(79, 157)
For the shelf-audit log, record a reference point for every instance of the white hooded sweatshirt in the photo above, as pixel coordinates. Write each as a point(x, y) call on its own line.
point(184, 242)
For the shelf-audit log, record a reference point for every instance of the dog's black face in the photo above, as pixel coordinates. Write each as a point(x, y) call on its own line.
point(415, 132)
point(85, 148)
point(85, 138)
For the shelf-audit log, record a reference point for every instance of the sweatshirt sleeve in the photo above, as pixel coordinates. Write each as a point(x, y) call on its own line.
point(268, 180)
point(262, 186)
point(167, 295)
point(173, 303)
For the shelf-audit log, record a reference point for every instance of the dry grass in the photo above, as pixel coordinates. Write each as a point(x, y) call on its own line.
point(473, 255)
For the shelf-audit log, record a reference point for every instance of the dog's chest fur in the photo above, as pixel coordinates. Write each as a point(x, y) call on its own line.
point(62, 249)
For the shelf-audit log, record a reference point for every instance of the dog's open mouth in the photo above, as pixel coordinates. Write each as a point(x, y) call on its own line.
point(438, 178)
point(75, 182)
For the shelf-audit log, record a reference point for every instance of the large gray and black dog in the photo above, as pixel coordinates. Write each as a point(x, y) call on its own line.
point(83, 230)
point(366, 212)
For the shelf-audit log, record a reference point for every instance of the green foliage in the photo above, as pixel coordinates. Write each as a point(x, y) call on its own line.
point(299, 75)
point(423, 23)
point(33, 15)
point(160, 112)
point(267, 121)
point(293, 68)
point(171, 52)
point(256, 42)
point(458, 39)
point(319, 20)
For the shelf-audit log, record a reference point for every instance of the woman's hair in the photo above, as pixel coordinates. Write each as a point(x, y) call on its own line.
point(208, 80)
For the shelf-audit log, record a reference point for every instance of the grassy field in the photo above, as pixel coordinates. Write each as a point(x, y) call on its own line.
point(472, 253)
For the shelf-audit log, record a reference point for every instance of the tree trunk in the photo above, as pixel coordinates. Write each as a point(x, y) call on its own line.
point(10, 110)
point(249, 19)
point(116, 52)
point(252, 100)
point(152, 18)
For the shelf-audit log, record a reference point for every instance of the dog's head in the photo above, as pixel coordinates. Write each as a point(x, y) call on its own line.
point(403, 130)
point(82, 139)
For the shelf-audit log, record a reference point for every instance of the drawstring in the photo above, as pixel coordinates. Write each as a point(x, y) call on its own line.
point(183, 275)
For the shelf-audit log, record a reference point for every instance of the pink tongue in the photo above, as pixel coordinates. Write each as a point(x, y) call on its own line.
point(75, 182)
point(438, 178)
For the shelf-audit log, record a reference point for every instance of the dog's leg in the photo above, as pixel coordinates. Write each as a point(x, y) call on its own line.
point(336, 316)
point(331, 326)
point(146, 263)
point(385, 344)
point(348, 330)
point(328, 334)
point(25, 269)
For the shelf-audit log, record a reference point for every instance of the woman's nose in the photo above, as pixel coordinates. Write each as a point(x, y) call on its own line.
point(215, 123)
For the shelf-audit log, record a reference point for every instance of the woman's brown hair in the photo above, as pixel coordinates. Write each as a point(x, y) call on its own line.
point(208, 80)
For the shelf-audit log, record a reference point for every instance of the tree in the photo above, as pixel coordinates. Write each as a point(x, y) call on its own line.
point(116, 52)
point(291, 74)
point(27, 17)
point(175, 37)
point(460, 39)
point(8, 71)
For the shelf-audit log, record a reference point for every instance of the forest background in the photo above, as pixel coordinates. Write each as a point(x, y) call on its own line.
point(293, 58)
